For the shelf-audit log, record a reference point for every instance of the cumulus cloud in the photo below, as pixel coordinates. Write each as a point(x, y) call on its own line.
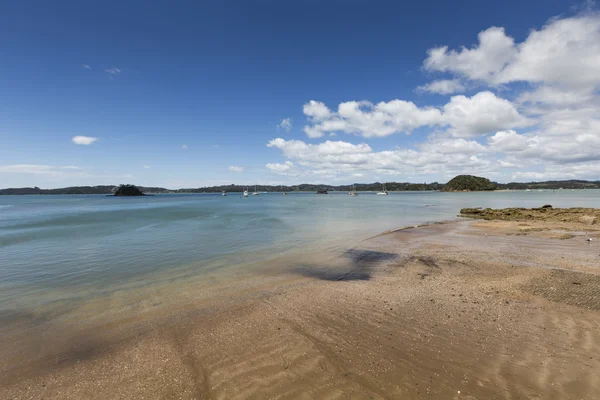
point(450, 146)
point(83, 140)
point(443, 86)
point(564, 51)
point(147, 167)
point(548, 125)
point(316, 110)
point(235, 168)
point(589, 171)
point(85, 66)
point(556, 96)
point(298, 148)
point(482, 62)
point(466, 117)
point(367, 119)
point(341, 157)
point(480, 114)
point(185, 147)
point(507, 141)
point(285, 124)
point(282, 169)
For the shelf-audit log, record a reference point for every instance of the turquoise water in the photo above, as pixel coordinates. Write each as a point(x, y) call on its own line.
point(69, 247)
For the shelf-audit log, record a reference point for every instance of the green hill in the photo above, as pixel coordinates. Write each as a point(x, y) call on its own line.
point(469, 183)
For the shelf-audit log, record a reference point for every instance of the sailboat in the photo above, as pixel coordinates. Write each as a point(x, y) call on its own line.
point(383, 191)
point(256, 193)
point(246, 192)
point(353, 192)
point(224, 193)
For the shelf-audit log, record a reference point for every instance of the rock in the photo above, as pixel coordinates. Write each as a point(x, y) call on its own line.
point(471, 211)
point(546, 206)
point(588, 219)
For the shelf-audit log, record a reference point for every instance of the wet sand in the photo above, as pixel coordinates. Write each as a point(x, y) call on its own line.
point(463, 310)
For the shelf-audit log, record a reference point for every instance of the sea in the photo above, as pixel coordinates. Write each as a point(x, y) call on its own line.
point(79, 259)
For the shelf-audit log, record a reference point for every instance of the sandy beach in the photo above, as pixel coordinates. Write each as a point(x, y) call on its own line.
point(474, 309)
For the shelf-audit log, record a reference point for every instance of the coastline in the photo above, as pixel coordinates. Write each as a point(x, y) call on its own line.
point(459, 309)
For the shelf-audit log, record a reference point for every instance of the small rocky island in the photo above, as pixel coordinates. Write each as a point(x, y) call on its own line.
point(128, 190)
point(469, 183)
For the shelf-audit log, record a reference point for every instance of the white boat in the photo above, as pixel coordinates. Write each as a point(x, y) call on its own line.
point(383, 191)
point(224, 193)
point(353, 192)
point(256, 192)
point(246, 192)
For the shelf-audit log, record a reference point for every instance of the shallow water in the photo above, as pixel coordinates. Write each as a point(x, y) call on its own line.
point(60, 253)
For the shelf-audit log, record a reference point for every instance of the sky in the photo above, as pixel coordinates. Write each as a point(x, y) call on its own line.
point(189, 94)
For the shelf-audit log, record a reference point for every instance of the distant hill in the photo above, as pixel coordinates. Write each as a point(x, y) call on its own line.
point(103, 189)
point(469, 183)
point(570, 184)
point(305, 187)
point(461, 182)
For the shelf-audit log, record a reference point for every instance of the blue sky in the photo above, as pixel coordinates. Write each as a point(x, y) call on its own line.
point(146, 79)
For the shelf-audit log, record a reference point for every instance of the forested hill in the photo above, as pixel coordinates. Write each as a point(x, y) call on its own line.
point(469, 183)
point(306, 187)
point(103, 189)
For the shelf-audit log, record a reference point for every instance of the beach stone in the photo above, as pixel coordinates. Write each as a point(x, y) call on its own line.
point(588, 219)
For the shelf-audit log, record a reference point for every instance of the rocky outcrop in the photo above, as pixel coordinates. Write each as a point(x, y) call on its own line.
point(128, 190)
point(588, 216)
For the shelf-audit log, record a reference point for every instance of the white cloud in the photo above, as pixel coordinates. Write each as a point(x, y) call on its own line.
point(83, 140)
point(285, 124)
point(147, 166)
point(480, 114)
point(452, 146)
point(585, 170)
point(316, 110)
point(466, 116)
point(235, 168)
point(85, 66)
point(335, 158)
point(113, 71)
point(482, 62)
point(556, 96)
point(564, 51)
point(299, 149)
point(507, 141)
point(185, 147)
point(280, 168)
point(506, 164)
point(443, 86)
point(552, 129)
point(42, 170)
point(367, 119)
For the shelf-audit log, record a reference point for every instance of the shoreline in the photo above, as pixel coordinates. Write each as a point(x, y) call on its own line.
point(447, 307)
